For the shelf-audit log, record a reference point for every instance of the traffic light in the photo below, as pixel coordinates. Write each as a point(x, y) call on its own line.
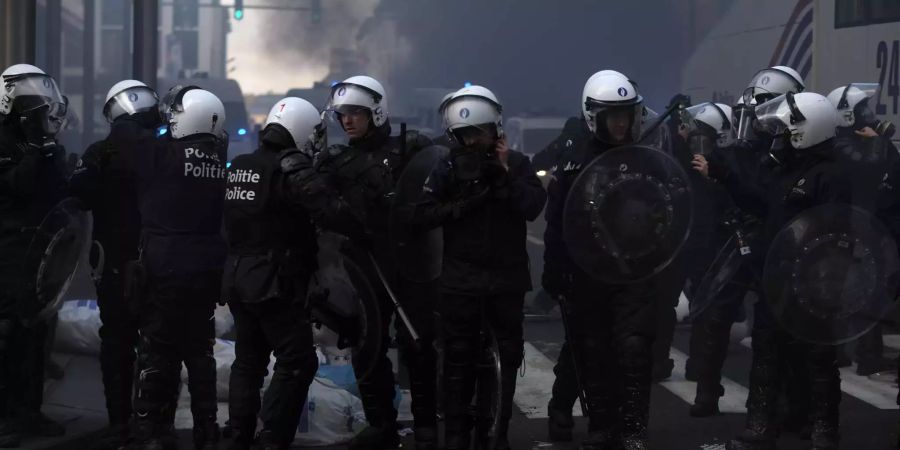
point(238, 9)
point(316, 11)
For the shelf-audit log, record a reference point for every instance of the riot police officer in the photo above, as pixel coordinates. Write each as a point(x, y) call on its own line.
point(105, 182)
point(179, 270)
point(32, 181)
point(863, 144)
point(804, 175)
point(364, 172)
point(611, 325)
point(272, 252)
point(482, 194)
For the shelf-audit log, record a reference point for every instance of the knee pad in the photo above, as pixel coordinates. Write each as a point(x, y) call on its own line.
point(635, 350)
point(255, 368)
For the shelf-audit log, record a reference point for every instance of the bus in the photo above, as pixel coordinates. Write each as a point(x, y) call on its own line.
point(829, 42)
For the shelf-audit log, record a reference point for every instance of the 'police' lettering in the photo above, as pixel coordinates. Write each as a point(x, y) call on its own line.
point(237, 185)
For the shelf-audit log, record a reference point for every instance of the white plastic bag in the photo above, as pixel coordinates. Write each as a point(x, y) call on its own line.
point(78, 328)
point(331, 416)
point(224, 322)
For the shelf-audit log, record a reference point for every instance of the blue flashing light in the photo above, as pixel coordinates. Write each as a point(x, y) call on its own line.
point(163, 130)
point(228, 165)
point(334, 83)
point(238, 14)
point(242, 131)
point(467, 84)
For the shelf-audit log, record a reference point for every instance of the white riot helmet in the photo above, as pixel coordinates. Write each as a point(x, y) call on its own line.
point(27, 90)
point(302, 121)
point(772, 82)
point(129, 97)
point(473, 108)
point(609, 92)
point(190, 110)
point(709, 126)
point(851, 102)
point(359, 92)
point(808, 118)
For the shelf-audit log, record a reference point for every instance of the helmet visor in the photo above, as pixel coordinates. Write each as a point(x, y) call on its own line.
point(616, 124)
point(130, 101)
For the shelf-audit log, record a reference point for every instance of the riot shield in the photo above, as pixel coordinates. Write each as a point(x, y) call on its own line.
point(831, 274)
point(52, 258)
point(419, 253)
point(733, 257)
point(342, 299)
point(627, 214)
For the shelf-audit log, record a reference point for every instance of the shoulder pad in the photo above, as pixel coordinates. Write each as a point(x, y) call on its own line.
point(335, 150)
point(292, 160)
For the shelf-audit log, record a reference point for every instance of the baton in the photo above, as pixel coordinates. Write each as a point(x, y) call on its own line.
point(406, 322)
point(572, 353)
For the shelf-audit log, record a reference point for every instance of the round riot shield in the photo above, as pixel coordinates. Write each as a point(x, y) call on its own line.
point(731, 259)
point(627, 214)
point(831, 274)
point(342, 299)
point(418, 252)
point(52, 258)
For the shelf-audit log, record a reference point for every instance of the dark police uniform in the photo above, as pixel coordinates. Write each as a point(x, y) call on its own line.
point(364, 173)
point(106, 183)
point(808, 178)
point(612, 326)
point(485, 274)
point(181, 196)
point(272, 253)
point(32, 181)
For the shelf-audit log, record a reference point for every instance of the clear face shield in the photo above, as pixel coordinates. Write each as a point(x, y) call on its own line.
point(130, 101)
point(703, 138)
point(615, 124)
point(38, 102)
point(776, 118)
point(172, 102)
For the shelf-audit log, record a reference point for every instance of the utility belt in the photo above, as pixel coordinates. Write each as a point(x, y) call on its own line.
point(253, 277)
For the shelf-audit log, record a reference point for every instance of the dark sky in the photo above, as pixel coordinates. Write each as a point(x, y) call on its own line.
point(539, 53)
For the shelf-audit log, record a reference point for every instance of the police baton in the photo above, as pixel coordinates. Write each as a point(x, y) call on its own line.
point(572, 352)
point(397, 307)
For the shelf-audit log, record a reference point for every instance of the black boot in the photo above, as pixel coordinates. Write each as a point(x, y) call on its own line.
point(760, 428)
point(267, 440)
point(559, 423)
point(146, 435)
point(376, 438)
point(10, 436)
point(426, 438)
point(636, 380)
point(206, 433)
point(706, 403)
point(599, 389)
point(239, 433)
point(377, 395)
point(825, 397)
point(459, 388)
point(708, 353)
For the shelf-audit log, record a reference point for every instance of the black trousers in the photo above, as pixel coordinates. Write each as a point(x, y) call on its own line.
point(612, 331)
point(118, 343)
point(461, 325)
point(176, 326)
point(419, 359)
point(281, 327)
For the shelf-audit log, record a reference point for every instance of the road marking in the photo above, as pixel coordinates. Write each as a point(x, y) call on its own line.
point(533, 390)
point(734, 400)
point(879, 394)
point(534, 240)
